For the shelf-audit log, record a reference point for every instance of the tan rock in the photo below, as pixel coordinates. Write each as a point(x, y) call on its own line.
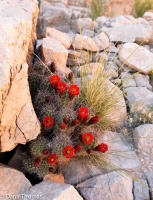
point(48, 190)
point(140, 33)
point(56, 15)
point(12, 182)
point(58, 178)
point(102, 41)
point(82, 23)
point(76, 58)
point(61, 37)
point(53, 51)
point(137, 57)
point(84, 42)
point(18, 22)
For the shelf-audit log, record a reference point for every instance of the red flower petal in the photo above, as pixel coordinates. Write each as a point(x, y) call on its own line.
point(87, 138)
point(45, 151)
point(83, 114)
point(78, 148)
point(48, 121)
point(102, 148)
point(62, 87)
point(37, 161)
point(68, 151)
point(54, 80)
point(73, 90)
point(94, 120)
point(52, 159)
point(66, 120)
point(62, 125)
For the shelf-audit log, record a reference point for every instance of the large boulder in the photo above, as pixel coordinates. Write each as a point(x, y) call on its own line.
point(84, 42)
point(130, 33)
point(136, 57)
point(12, 182)
point(48, 190)
point(110, 186)
point(61, 37)
point(54, 51)
point(139, 97)
point(18, 122)
point(55, 15)
point(143, 137)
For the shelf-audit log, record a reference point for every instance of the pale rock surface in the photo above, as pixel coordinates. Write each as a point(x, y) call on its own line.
point(76, 58)
point(48, 190)
point(130, 33)
point(140, 190)
point(102, 41)
point(82, 23)
point(84, 42)
point(143, 137)
point(148, 15)
point(110, 186)
point(61, 37)
point(12, 182)
point(55, 15)
point(54, 51)
point(18, 22)
point(126, 159)
point(127, 80)
point(142, 81)
point(136, 57)
point(139, 97)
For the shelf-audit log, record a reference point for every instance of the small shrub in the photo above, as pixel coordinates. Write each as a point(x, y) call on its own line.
point(141, 6)
point(97, 8)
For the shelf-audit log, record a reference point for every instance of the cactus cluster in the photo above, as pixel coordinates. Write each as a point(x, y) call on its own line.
point(68, 125)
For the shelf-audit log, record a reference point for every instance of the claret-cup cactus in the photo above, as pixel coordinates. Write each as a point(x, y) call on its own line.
point(69, 126)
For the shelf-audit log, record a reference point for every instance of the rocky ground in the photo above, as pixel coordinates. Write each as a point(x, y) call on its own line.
point(125, 43)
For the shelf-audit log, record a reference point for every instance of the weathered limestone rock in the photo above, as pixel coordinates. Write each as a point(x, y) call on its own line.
point(84, 42)
point(76, 58)
point(61, 37)
point(18, 122)
point(130, 33)
point(53, 51)
point(143, 137)
point(139, 97)
point(141, 190)
point(54, 191)
point(114, 185)
point(82, 23)
point(102, 41)
point(12, 182)
point(55, 15)
point(136, 57)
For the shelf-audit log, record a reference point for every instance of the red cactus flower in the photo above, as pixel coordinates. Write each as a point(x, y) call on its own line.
point(94, 120)
point(75, 122)
point(83, 114)
point(62, 87)
point(78, 148)
point(54, 80)
point(102, 148)
point(48, 99)
point(87, 138)
point(37, 161)
point(52, 67)
point(52, 159)
point(48, 121)
point(45, 151)
point(51, 169)
point(90, 151)
point(66, 120)
point(68, 151)
point(73, 91)
point(62, 125)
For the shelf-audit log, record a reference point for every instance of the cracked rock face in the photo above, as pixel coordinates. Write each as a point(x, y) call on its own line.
point(18, 122)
